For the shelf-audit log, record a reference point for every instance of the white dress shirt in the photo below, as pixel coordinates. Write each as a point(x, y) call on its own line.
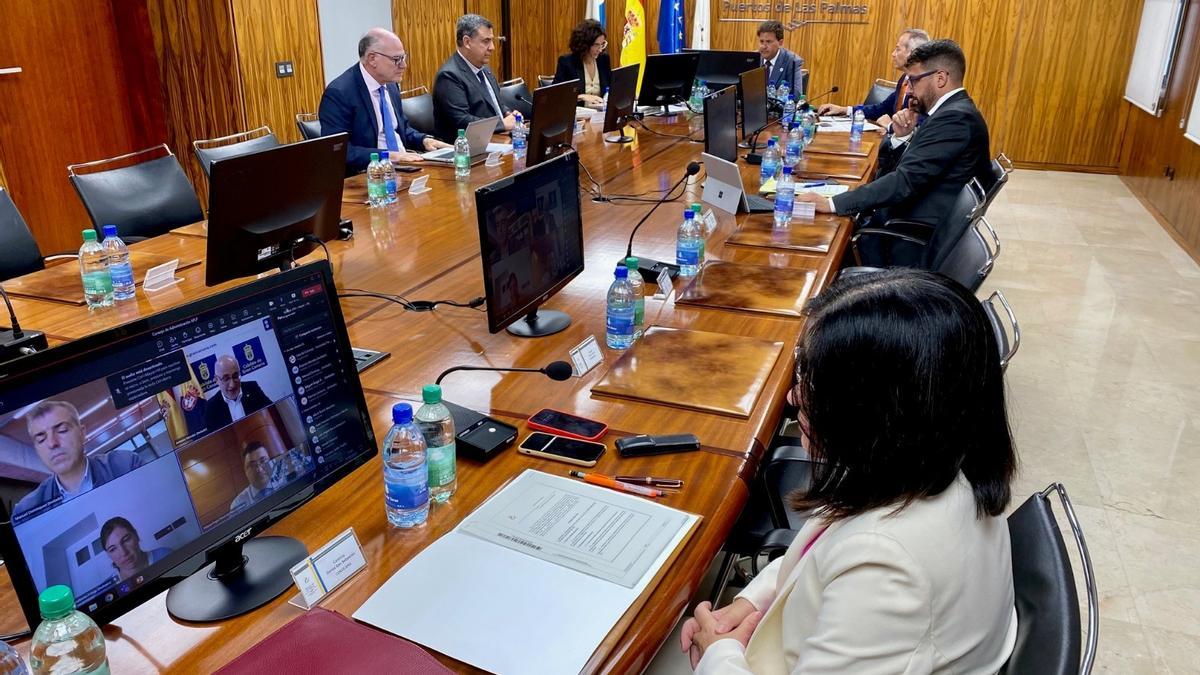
point(236, 410)
point(376, 91)
point(486, 84)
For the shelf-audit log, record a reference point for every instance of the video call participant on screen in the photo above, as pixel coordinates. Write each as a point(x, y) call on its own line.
point(124, 547)
point(58, 436)
point(256, 462)
point(237, 398)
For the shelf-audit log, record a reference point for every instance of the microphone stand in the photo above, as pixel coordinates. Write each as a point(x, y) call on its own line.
point(647, 267)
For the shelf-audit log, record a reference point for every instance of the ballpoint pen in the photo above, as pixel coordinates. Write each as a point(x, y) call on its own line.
point(610, 482)
point(673, 483)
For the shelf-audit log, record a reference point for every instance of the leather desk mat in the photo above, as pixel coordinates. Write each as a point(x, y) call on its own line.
point(813, 236)
point(750, 288)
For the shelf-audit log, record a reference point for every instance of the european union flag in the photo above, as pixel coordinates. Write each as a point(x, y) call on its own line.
point(670, 26)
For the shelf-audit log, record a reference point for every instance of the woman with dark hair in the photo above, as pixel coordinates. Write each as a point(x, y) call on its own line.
point(587, 62)
point(124, 548)
point(905, 563)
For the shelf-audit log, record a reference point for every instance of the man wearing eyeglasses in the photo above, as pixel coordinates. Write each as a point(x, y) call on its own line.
point(932, 163)
point(235, 399)
point(365, 102)
point(465, 89)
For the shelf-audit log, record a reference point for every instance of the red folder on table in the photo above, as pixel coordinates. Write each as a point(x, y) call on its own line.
point(322, 642)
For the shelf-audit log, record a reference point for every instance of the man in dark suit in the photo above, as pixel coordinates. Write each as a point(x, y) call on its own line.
point(353, 103)
point(881, 113)
point(236, 399)
point(935, 161)
point(783, 66)
point(465, 89)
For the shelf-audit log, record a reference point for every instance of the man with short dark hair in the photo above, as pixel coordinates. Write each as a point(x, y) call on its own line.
point(256, 464)
point(464, 89)
point(783, 66)
point(881, 113)
point(935, 161)
point(355, 103)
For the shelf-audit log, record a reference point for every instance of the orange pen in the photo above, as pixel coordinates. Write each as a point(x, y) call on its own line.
point(610, 482)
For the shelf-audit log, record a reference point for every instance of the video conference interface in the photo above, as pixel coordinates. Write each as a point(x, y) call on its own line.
point(134, 454)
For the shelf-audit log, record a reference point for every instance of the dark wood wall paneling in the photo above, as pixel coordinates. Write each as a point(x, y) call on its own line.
point(1154, 145)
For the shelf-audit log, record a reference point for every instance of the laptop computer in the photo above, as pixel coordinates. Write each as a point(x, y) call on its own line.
point(479, 134)
point(724, 190)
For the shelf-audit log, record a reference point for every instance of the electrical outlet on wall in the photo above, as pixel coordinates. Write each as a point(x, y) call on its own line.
point(284, 69)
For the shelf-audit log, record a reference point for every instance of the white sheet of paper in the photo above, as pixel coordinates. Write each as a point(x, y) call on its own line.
point(842, 124)
point(500, 610)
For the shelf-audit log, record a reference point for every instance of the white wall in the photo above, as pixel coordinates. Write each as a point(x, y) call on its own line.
point(342, 23)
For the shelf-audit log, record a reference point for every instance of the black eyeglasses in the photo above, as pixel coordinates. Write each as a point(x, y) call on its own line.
point(398, 60)
point(913, 79)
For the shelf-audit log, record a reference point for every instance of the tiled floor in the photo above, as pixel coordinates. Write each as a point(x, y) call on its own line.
point(1105, 397)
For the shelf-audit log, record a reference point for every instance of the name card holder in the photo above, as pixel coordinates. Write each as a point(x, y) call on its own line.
point(493, 159)
point(160, 276)
point(586, 355)
point(419, 186)
point(332, 565)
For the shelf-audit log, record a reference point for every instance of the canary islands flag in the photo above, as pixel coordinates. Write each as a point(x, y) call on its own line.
point(633, 38)
point(595, 10)
point(670, 26)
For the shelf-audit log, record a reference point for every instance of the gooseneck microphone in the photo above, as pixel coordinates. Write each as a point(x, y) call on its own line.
point(555, 370)
point(833, 90)
point(650, 269)
point(16, 343)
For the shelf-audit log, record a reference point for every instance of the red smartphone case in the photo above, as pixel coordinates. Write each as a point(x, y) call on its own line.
point(562, 432)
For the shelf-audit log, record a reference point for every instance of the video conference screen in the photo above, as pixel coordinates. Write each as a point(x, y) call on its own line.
point(113, 466)
point(533, 238)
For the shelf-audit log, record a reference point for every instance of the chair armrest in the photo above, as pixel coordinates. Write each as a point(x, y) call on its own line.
point(858, 269)
point(913, 227)
point(773, 545)
point(884, 233)
point(788, 453)
point(59, 258)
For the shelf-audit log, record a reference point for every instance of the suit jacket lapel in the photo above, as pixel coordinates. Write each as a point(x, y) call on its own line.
point(472, 80)
point(365, 98)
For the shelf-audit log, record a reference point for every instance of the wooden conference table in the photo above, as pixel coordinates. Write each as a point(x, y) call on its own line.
point(427, 247)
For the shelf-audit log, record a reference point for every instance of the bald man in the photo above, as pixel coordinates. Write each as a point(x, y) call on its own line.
point(235, 398)
point(355, 103)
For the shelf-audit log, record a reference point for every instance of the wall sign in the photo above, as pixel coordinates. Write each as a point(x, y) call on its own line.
point(793, 15)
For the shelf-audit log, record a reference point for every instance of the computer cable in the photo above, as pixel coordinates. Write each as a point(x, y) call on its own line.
point(412, 305)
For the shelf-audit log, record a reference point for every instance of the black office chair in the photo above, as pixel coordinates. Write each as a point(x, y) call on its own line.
point(879, 92)
point(241, 143)
point(1048, 627)
point(972, 258)
point(913, 243)
point(545, 80)
point(510, 90)
point(804, 81)
point(309, 125)
point(143, 199)
point(418, 109)
point(1008, 345)
point(19, 252)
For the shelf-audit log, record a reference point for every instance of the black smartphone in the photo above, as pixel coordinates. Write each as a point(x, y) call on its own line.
point(561, 449)
point(407, 168)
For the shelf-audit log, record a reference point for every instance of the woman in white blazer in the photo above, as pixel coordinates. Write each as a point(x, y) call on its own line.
point(905, 565)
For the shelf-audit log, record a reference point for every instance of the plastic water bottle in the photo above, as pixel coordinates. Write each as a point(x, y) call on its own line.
point(93, 266)
point(520, 144)
point(67, 640)
point(405, 476)
point(784, 91)
point(462, 156)
point(795, 146)
point(639, 296)
point(11, 662)
point(605, 104)
point(708, 229)
point(119, 268)
point(619, 330)
point(772, 92)
point(789, 113)
point(376, 188)
point(785, 199)
point(770, 163)
point(389, 177)
point(856, 124)
point(808, 122)
point(437, 426)
point(689, 245)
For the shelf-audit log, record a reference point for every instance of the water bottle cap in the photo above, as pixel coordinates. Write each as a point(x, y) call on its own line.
point(787, 170)
point(110, 231)
point(631, 263)
point(431, 393)
point(517, 116)
point(89, 235)
point(462, 133)
point(56, 602)
point(383, 154)
point(374, 156)
point(696, 207)
point(688, 214)
point(771, 141)
point(622, 272)
point(401, 413)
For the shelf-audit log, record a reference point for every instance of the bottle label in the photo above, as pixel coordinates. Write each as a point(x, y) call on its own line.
point(407, 489)
point(97, 283)
point(462, 161)
point(390, 186)
point(441, 465)
point(121, 274)
point(639, 311)
point(375, 189)
point(687, 256)
point(620, 322)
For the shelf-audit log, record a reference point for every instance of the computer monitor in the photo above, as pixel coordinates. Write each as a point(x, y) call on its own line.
point(720, 124)
point(265, 207)
point(754, 102)
point(668, 78)
point(531, 241)
point(721, 69)
point(622, 91)
point(553, 126)
point(177, 438)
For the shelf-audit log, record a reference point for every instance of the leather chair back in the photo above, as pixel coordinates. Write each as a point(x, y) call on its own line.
point(947, 235)
point(309, 125)
point(1048, 628)
point(207, 155)
point(545, 80)
point(143, 200)
point(970, 261)
point(1008, 347)
point(508, 98)
point(879, 92)
point(419, 111)
point(19, 252)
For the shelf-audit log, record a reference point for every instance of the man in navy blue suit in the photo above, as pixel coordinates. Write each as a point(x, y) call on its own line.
point(354, 103)
point(881, 113)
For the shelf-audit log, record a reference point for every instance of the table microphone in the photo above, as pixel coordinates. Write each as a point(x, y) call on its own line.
point(555, 370)
point(835, 89)
point(16, 343)
point(650, 269)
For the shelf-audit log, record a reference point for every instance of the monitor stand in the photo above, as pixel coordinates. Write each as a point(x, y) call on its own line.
point(540, 323)
point(245, 575)
point(620, 136)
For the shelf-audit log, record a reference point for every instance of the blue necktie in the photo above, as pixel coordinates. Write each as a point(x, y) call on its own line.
point(389, 127)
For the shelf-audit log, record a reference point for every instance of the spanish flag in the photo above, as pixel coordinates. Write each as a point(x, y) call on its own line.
point(633, 41)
